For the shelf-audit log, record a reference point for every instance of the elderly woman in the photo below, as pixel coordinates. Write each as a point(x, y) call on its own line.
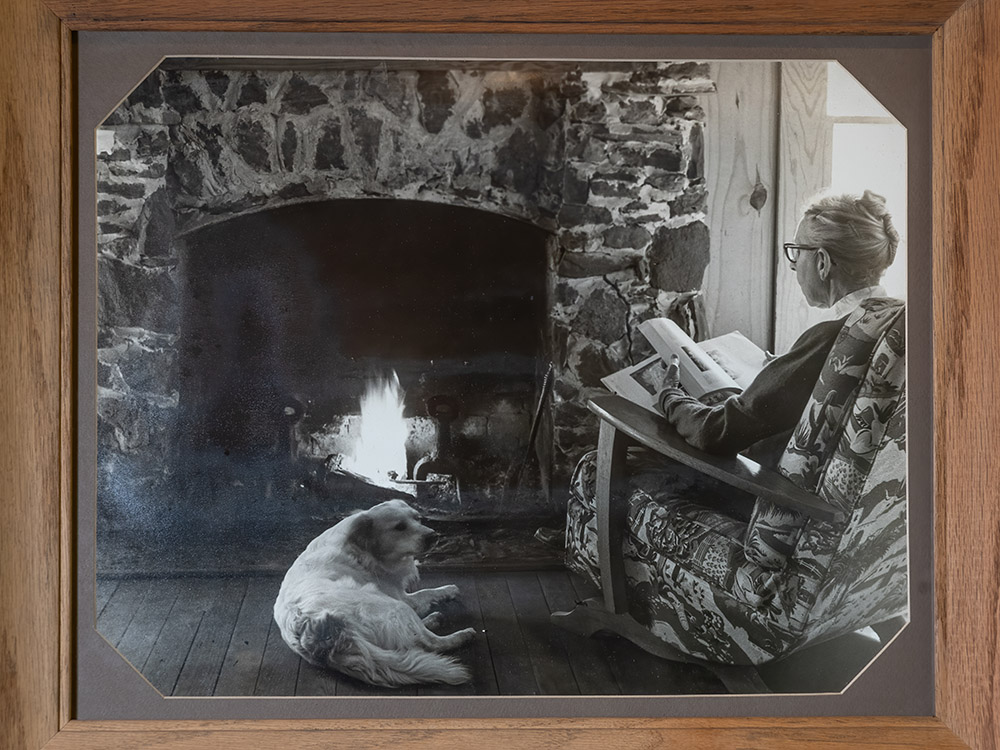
point(842, 247)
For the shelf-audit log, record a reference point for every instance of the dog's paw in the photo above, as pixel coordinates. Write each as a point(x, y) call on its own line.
point(446, 593)
point(433, 620)
point(466, 635)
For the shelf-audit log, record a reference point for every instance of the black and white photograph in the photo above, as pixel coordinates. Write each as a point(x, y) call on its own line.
point(445, 377)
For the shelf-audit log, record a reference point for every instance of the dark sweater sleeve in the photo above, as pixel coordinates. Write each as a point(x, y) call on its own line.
point(771, 404)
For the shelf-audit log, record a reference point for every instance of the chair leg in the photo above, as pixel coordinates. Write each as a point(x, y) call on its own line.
point(739, 679)
point(583, 620)
point(590, 617)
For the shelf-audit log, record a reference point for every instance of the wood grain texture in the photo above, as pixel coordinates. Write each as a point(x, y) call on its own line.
point(521, 16)
point(740, 154)
point(67, 376)
point(805, 170)
point(967, 359)
point(30, 373)
point(595, 734)
point(36, 424)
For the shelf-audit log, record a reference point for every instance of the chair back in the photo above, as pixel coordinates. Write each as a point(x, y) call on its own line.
point(849, 448)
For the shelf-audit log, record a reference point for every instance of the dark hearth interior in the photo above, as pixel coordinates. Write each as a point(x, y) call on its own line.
point(270, 241)
point(289, 313)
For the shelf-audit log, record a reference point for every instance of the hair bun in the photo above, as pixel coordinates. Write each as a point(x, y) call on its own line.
point(873, 203)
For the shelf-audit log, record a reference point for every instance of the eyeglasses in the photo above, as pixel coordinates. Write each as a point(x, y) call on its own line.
point(792, 252)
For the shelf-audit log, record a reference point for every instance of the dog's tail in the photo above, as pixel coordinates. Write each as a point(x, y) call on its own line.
point(393, 668)
point(327, 641)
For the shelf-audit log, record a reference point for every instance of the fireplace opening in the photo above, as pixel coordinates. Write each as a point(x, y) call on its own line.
point(290, 314)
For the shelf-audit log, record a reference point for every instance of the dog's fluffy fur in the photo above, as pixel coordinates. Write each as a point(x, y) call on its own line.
point(344, 602)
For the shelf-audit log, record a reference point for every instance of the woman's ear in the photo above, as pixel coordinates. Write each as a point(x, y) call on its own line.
point(823, 263)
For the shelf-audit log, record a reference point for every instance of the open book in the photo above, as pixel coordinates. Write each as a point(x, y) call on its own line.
point(711, 370)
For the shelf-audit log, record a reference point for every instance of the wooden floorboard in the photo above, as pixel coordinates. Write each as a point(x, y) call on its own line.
point(465, 612)
point(586, 657)
point(640, 673)
point(242, 661)
point(511, 660)
point(217, 636)
point(203, 664)
point(120, 609)
point(138, 639)
point(549, 661)
point(279, 666)
point(105, 588)
point(313, 681)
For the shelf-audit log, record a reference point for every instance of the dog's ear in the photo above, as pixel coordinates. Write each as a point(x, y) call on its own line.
point(362, 534)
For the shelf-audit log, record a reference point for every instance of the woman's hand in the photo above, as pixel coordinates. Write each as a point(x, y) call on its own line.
point(667, 396)
point(673, 379)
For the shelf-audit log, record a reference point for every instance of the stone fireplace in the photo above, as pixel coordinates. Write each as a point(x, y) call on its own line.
point(462, 224)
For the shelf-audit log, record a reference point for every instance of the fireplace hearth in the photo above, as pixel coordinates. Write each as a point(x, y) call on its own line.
point(271, 241)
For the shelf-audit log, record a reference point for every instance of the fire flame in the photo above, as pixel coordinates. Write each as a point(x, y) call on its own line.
point(380, 448)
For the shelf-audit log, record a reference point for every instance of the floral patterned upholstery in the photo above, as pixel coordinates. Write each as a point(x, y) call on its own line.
point(748, 591)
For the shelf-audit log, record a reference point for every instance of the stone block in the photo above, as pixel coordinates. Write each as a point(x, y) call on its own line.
point(668, 182)
point(367, 133)
point(678, 257)
point(517, 163)
point(392, 89)
point(693, 200)
point(138, 168)
point(147, 93)
point(639, 111)
point(289, 146)
point(142, 367)
point(302, 97)
point(130, 189)
point(604, 188)
point(602, 315)
point(436, 95)
point(294, 190)
point(152, 142)
point(134, 424)
point(218, 83)
point(588, 111)
point(686, 107)
point(502, 106)
point(186, 175)
point(664, 158)
point(596, 362)
point(586, 265)
point(254, 143)
point(107, 207)
point(565, 294)
point(696, 162)
point(630, 237)
point(572, 215)
point(686, 71)
point(578, 241)
point(329, 147)
point(575, 187)
point(180, 97)
point(135, 296)
point(157, 226)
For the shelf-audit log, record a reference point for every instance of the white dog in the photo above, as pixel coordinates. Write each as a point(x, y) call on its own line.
point(344, 605)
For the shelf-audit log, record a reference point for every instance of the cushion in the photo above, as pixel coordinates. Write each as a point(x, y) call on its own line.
point(865, 358)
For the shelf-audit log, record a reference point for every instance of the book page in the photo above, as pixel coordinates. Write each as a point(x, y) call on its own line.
point(738, 356)
point(640, 383)
point(699, 373)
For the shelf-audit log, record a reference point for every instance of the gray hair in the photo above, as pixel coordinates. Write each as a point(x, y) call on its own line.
point(856, 232)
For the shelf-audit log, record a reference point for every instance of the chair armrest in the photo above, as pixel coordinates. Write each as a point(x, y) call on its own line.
point(737, 471)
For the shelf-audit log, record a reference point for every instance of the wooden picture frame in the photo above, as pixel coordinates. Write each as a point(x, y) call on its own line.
point(37, 366)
